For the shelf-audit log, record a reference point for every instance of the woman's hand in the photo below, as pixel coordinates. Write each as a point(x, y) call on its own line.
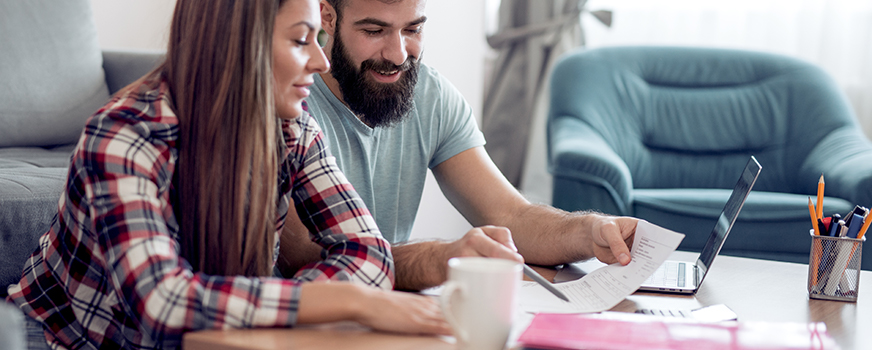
point(389, 311)
point(401, 312)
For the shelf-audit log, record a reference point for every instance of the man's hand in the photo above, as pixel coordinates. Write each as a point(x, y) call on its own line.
point(485, 241)
point(612, 237)
point(423, 265)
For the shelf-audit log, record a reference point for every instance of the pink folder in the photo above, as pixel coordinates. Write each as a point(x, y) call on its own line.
point(632, 331)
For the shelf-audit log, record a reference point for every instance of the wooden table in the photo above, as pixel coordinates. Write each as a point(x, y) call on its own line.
point(757, 290)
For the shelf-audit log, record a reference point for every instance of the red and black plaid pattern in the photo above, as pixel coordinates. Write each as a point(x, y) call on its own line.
point(108, 272)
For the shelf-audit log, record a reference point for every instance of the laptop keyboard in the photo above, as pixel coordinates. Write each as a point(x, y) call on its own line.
point(667, 313)
point(671, 274)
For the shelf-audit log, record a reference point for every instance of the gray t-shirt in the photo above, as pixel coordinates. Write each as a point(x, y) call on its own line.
point(388, 166)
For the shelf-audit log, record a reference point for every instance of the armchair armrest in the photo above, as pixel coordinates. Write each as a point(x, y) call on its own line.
point(845, 159)
point(578, 153)
point(123, 67)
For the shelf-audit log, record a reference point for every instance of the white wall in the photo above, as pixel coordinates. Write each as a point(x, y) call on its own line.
point(454, 44)
point(134, 24)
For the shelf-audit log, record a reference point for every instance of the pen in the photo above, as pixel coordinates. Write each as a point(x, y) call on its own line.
point(830, 250)
point(834, 225)
point(820, 197)
point(813, 213)
point(826, 225)
point(822, 227)
point(853, 230)
point(541, 280)
point(854, 226)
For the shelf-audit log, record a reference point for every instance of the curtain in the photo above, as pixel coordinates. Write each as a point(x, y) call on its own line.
point(531, 35)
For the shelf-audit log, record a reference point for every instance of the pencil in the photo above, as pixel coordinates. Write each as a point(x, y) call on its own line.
point(542, 281)
point(865, 226)
point(814, 219)
point(815, 256)
point(820, 197)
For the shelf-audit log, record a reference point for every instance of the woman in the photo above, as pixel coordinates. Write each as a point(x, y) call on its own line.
point(179, 186)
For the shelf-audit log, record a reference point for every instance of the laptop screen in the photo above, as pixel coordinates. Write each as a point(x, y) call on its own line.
point(728, 217)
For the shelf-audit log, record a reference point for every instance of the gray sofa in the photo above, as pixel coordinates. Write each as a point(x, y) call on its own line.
point(53, 76)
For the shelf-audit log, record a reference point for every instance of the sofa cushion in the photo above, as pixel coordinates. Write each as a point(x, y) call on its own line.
point(51, 74)
point(31, 182)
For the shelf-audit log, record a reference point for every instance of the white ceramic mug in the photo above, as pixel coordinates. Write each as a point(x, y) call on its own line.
point(479, 300)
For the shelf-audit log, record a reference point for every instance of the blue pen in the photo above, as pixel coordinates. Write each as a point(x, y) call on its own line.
point(834, 225)
point(828, 251)
point(862, 211)
point(855, 225)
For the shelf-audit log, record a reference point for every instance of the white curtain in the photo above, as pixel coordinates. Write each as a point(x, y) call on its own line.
point(833, 34)
point(532, 35)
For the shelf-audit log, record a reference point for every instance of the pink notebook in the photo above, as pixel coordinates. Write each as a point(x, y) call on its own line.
point(614, 330)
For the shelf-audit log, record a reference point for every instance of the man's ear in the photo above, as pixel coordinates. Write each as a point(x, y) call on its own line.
point(328, 18)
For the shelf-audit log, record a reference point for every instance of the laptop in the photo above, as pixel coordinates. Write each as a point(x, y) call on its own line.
point(684, 277)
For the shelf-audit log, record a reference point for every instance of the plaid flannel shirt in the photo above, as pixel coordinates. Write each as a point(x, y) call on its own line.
point(108, 273)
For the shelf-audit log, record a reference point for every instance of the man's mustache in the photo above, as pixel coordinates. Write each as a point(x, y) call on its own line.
point(387, 66)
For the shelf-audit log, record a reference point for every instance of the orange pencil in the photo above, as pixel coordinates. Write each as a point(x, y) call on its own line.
point(820, 198)
point(865, 226)
point(814, 220)
point(816, 257)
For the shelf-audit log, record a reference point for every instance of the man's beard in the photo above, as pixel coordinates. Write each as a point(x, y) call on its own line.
point(376, 104)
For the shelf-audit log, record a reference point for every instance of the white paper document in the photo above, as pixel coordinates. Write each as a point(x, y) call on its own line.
point(605, 287)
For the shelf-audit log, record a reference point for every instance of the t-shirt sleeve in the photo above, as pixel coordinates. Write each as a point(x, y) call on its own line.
point(457, 127)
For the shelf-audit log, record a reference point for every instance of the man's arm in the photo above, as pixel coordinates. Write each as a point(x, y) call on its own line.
point(296, 249)
point(544, 235)
point(419, 265)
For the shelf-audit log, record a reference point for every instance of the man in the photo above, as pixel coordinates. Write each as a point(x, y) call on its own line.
point(388, 118)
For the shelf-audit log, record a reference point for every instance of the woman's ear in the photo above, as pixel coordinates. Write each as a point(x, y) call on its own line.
point(328, 18)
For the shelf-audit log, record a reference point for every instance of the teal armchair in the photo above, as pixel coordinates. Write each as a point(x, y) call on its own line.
point(662, 133)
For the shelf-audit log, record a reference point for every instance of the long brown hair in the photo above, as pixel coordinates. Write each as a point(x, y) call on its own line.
point(219, 69)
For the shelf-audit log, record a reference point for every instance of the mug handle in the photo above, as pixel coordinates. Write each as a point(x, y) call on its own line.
point(445, 300)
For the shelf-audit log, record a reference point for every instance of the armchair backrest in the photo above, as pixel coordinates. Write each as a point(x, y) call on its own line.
point(690, 117)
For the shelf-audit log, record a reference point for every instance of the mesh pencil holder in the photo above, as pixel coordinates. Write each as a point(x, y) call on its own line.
point(834, 267)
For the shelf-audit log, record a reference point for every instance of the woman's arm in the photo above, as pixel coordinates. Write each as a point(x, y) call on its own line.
point(328, 206)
